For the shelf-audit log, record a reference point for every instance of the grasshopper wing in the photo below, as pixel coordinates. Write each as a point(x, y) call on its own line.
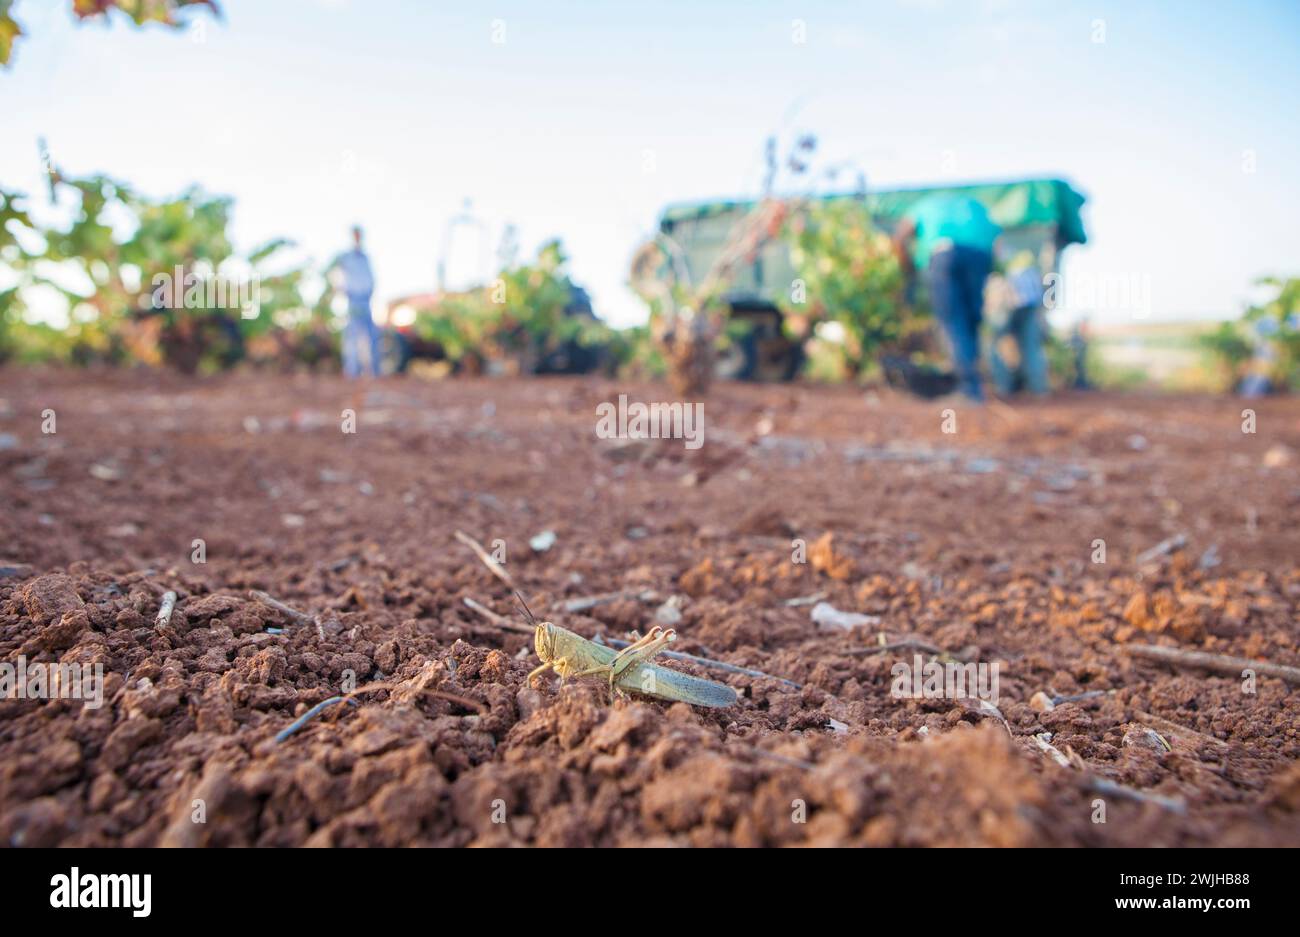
point(667, 684)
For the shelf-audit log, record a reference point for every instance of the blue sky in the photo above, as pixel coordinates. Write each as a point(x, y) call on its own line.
point(589, 117)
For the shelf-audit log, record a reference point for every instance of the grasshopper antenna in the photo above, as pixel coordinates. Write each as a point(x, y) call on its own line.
point(528, 613)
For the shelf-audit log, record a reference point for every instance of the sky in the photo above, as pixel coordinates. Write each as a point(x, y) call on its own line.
point(1177, 120)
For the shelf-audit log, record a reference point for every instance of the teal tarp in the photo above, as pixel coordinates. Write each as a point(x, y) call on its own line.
point(1012, 205)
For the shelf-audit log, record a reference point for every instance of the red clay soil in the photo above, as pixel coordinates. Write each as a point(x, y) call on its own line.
point(977, 544)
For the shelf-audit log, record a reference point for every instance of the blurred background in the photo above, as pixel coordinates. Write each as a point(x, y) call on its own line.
point(245, 139)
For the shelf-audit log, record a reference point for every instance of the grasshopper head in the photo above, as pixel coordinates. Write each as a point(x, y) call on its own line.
point(543, 633)
point(544, 641)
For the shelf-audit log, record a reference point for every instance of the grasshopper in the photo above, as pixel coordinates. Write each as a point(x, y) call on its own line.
point(572, 655)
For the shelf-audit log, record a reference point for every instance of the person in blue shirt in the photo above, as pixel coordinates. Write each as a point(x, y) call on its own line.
point(357, 282)
point(950, 238)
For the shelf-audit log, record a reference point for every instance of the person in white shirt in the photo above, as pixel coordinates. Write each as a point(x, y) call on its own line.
point(360, 335)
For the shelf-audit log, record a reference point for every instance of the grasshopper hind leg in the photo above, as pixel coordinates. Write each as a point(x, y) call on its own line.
point(639, 652)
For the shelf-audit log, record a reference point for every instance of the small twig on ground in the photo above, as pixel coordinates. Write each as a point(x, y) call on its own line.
point(805, 600)
point(456, 698)
point(1112, 789)
point(589, 602)
point(391, 685)
point(989, 709)
point(710, 662)
point(371, 687)
point(165, 610)
point(501, 621)
point(1169, 545)
point(493, 566)
point(903, 643)
point(311, 714)
point(350, 699)
point(1078, 697)
point(1047, 747)
point(1217, 663)
point(260, 596)
point(1175, 728)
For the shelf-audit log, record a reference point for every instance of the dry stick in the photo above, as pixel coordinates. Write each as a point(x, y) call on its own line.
point(1049, 749)
point(456, 698)
point(1176, 542)
point(913, 643)
point(589, 602)
point(1175, 728)
point(709, 662)
point(493, 566)
point(369, 687)
point(1078, 697)
point(338, 565)
point(984, 706)
point(311, 714)
point(440, 694)
point(1110, 788)
point(165, 610)
point(279, 606)
point(349, 698)
point(1217, 663)
point(501, 621)
point(1107, 787)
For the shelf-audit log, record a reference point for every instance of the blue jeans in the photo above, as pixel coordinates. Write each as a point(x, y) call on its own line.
point(1025, 326)
point(956, 281)
point(359, 333)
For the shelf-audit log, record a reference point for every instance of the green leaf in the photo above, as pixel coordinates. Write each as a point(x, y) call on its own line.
point(9, 31)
